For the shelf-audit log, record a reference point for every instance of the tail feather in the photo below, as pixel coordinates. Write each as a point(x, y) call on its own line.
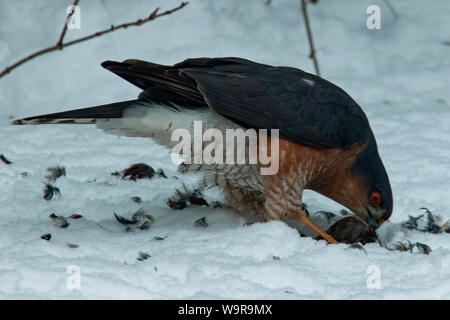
point(162, 85)
point(146, 75)
point(81, 116)
point(133, 118)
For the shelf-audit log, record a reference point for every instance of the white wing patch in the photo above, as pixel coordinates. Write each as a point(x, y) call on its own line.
point(158, 122)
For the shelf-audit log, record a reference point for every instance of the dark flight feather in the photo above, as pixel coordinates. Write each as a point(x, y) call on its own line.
point(305, 108)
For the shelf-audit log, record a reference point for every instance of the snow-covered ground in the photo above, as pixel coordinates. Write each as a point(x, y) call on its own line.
point(400, 75)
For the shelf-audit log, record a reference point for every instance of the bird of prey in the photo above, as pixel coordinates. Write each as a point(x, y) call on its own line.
point(325, 140)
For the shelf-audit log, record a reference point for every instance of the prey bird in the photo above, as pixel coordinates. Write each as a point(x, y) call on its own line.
point(325, 140)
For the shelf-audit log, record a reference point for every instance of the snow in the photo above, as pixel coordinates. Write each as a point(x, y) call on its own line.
point(399, 75)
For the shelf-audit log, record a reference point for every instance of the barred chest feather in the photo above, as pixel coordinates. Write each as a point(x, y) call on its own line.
point(279, 195)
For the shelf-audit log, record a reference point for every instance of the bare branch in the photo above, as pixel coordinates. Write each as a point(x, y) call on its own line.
point(60, 44)
point(312, 55)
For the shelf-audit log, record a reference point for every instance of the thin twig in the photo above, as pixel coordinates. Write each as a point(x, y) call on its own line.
point(389, 5)
point(312, 55)
point(58, 46)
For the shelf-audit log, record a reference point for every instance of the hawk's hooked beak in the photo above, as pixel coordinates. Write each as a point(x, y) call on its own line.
point(376, 217)
point(374, 223)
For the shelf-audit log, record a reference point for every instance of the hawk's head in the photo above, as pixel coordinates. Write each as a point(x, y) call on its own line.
point(362, 185)
point(376, 190)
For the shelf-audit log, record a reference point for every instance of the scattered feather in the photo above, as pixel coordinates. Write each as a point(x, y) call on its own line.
point(146, 225)
point(138, 200)
point(402, 246)
point(201, 222)
point(422, 248)
point(427, 222)
point(196, 198)
point(177, 204)
point(143, 256)
point(141, 219)
point(123, 220)
point(55, 173)
point(50, 191)
point(198, 201)
point(160, 173)
point(412, 223)
point(76, 216)
point(47, 236)
point(138, 171)
point(59, 221)
point(160, 238)
point(4, 159)
point(182, 199)
point(411, 247)
point(357, 246)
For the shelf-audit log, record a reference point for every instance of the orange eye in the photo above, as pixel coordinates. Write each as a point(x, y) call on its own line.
point(375, 198)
